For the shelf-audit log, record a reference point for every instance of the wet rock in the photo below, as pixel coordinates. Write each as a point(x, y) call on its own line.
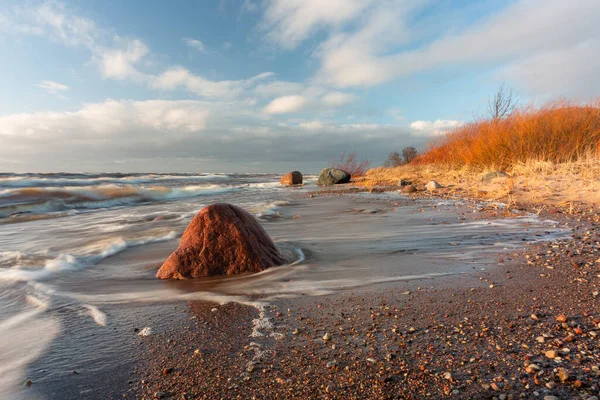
point(291, 178)
point(333, 176)
point(222, 239)
point(408, 189)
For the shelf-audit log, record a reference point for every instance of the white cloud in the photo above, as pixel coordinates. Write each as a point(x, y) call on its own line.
point(289, 22)
point(369, 43)
point(336, 99)
point(312, 125)
point(286, 105)
point(161, 135)
point(568, 71)
point(52, 87)
point(120, 63)
point(195, 44)
point(179, 77)
point(434, 128)
point(109, 118)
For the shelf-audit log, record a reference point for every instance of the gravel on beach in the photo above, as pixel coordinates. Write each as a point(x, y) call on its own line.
point(526, 328)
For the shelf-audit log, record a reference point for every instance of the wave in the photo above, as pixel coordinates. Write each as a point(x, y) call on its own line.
point(86, 256)
point(25, 181)
point(16, 202)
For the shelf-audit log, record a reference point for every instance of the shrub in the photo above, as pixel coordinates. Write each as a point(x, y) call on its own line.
point(559, 132)
point(351, 164)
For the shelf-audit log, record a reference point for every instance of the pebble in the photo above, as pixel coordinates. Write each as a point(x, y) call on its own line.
point(562, 318)
point(327, 337)
point(540, 339)
point(551, 354)
point(562, 374)
point(295, 331)
point(550, 398)
point(448, 376)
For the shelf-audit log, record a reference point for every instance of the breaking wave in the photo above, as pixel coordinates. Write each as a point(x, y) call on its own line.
point(15, 202)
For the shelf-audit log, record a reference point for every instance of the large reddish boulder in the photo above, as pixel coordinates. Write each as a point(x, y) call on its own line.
point(292, 178)
point(222, 239)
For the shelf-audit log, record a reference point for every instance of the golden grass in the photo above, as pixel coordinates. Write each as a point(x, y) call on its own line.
point(551, 154)
point(558, 133)
point(532, 182)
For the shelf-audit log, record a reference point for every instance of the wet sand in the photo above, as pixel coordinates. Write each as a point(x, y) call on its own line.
point(492, 333)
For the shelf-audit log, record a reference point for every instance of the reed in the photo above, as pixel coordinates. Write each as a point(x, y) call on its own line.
point(556, 133)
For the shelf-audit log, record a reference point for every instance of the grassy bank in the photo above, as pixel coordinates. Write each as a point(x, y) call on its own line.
point(551, 155)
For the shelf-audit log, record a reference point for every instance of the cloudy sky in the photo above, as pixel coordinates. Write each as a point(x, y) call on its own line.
point(271, 85)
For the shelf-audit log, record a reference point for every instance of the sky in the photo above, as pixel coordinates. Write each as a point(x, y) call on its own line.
point(271, 85)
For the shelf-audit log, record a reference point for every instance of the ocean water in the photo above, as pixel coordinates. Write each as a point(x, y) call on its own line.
point(78, 254)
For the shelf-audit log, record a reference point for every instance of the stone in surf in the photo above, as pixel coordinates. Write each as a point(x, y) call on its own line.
point(222, 239)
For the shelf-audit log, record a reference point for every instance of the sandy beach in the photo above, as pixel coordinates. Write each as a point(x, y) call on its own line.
point(524, 327)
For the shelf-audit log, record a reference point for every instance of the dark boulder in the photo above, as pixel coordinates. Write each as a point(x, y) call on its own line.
point(333, 176)
point(222, 239)
point(291, 178)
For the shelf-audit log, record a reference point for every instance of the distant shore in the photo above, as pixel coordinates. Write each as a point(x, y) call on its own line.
point(497, 333)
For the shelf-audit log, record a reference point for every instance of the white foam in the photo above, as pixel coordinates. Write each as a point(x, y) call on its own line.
point(147, 331)
point(98, 316)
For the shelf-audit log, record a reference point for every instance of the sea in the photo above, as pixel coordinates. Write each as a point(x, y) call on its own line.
point(78, 254)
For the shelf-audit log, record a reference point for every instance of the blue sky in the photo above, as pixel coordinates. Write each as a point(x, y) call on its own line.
point(271, 85)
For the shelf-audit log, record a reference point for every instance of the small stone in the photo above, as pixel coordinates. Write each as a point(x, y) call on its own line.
point(448, 376)
point(332, 364)
point(28, 383)
point(540, 339)
point(197, 351)
point(502, 396)
point(550, 385)
point(167, 371)
point(495, 386)
point(295, 331)
point(159, 395)
point(327, 337)
point(550, 398)
point(533, 316)
point(371, 360)
point(562, 374)
point(551, 354)
point(532, 368)
point(562, 318)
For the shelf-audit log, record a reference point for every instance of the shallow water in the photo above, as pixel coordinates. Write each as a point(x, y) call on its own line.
point(77, 261)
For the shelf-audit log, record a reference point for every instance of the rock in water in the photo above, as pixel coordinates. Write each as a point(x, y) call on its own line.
point(222, 239)
point(432, 185)
point(333, 176)
point(291, 178)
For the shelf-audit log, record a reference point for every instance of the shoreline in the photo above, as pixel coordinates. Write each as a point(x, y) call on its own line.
point(396, 341)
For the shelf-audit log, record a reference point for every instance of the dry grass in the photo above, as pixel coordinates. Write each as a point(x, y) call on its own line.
point(351, 164)
point(558, 133)
point(534, 182)
point(552, 156)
